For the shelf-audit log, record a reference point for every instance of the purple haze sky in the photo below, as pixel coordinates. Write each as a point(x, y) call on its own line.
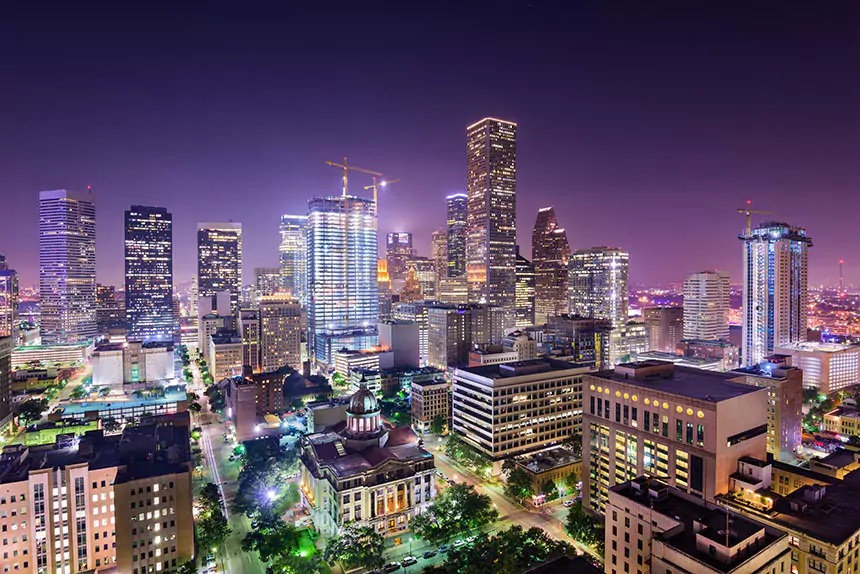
point(645, 127)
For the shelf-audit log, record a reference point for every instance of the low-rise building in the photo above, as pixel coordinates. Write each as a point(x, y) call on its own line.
point(346, 360)
point(324, 414)
point(39, 378)
point(728, 354)
point(361, 471)
point(843, 420)
point(651, 527)
point(226, 355)
point(516, 346)
point(104, 503)
point(133, 406)
point(681, 360)
point(784, 386)
point(511, 409)
point(133, 362)
point(431, 399)
point(61, 353)
point(557, 464)
point(828, 367)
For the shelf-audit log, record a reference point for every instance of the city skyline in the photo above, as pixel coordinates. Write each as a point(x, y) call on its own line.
point(643, 149)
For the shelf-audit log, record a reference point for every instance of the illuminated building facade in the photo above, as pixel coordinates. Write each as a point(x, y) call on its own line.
point(491, 183)
point(439, 255)
point(453, 330)
point(686, 426)
point(828, 367)
point(664, 327)
point(249, 329)
point(219, 260)
point(343, 301)
point(425, 275)
point(706, 306)
point(8, 300)
point(67, 266)
point(457, 231)
point(550, 252)
point(293, 254)
point(398, 253)
point(149, 274)
point(598, 284)
point(775, 296)
point(280, 333)
point(525, 291)
point(383, 283)
point(267, 281)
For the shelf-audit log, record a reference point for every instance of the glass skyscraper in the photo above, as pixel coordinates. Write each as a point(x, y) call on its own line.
point(398, 252)
point(67, 266)
point(525, 291)
point(343, 298)
point(550, 252)
point(775, 297)
point(293, 254)
point(457, 228)
point(8, 300)
point(219, 260)
point(149, 274)
point(598, 284)
point(491, 184)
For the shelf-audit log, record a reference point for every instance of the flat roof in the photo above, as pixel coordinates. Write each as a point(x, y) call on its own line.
point(709, 386)
point(170, 396)
point(523, 368)
point(834, 518)
point(819, 347)
point(548, 459)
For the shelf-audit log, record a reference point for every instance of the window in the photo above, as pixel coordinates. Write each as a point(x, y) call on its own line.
point(689, 433)
point(635, 414)
point(700, 435)
point(665, 427)
point(647, 419)
point(618, 412)
point(679, 430)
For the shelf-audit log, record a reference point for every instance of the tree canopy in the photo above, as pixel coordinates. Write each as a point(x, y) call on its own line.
point(519, 484)
point(459, 509)
point(509, 552)
point(272, 538)
point(356, 546)
point(31, 410)
point(583, 528)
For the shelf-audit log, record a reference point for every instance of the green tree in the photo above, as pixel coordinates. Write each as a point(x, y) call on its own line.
point(272, 538)
point(466, 454)
point(296, 564)
point(338, 380)
point(31, 411)
point(549, 489)
point(582, 527)
point(195, 407)
point(212, 529)
point(519, 484)
point(509, 552)
point(438, 425)
point(356, 546)
point(458, 509)
point(210, 497)
point(110, 424)
point(571, 481)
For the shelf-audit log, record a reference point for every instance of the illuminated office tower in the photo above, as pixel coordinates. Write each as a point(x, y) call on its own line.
point(706, 306)
point(249, 329)
point(491, 183)
point(439, 254)
point(343, 298)
point(775, 297)
point(664, 327)
point(383, 283)
point(294, 256)
point(149, 274)
point(398, 252)
point(67, 266)
point(598, 284)
point(425, 274)
point(280, 333)
point(8, 300)
point(525, 291)
point(550, 253)
point(219, 260)
point(457, 231)
point(267, 281)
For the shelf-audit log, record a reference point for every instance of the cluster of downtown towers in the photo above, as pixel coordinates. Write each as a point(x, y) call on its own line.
point(329, 263)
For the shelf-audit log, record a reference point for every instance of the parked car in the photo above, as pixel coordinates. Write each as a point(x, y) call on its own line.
point(471, 539)
point(391, 567)
point(444, 548)
point(409, 561)
point(459, 543)
point(429, 554)
point(568, 503)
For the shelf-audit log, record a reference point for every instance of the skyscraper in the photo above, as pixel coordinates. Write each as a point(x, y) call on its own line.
point(219, 260)
point(706, 306)
point(664, 326)
point(67, 266)
point(294, 255)
point(149, 274)
point(280, 333)
point(439, 255)
point(550, 253)
point(383, 284)
point(267, 281)
point(491, 183)
point(598, 284)
point(457, 229)
point(343, 300)
point(525, 291)
point(775, 296)
point(398, 252)
point(8, 300)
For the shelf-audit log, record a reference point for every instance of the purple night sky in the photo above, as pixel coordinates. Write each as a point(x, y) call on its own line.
point(645, 128)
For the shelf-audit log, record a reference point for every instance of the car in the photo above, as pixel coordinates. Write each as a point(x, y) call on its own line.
point(409, 561)
point(449, 480)
point(391, 567)
point(232, 457)
point(568, 503)
point(471, 539)
point(429, 554)
point(444, 548)
point(439, 473)
point(459, 543)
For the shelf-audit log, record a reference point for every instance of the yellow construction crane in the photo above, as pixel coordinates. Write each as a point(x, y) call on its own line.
point(747, 211)
point(346, 169)
point(376, 185)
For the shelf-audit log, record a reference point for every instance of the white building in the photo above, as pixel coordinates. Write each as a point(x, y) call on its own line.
point(706, 306)
point(828, 367)
point(133, 362)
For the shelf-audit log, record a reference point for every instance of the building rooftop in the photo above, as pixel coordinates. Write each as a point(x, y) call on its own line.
point(819, 347)
point(666, 377)
point(698, 518)
point(544, 460)
point(171, 394)
point(226, 338)
point(523, 368)
point(844, 411)
point(830, 513)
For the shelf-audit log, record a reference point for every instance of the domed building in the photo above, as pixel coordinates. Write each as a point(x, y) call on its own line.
point(360, 470)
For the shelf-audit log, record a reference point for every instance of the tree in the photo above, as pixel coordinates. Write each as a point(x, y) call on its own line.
point(31, 411)
point(213, 529)
point(338, 380)
point(296, 564)
point(210, 497)
point(582, 527)
point(356, 546)
point(519, 484)
point(466, 454)
point(272, 538)
point(571, 481)
point(549, 489)
point(438, 425)
point(458, 509)
point(195, 407)
point(110, 424)
point(79, 392)
point(509, 552)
